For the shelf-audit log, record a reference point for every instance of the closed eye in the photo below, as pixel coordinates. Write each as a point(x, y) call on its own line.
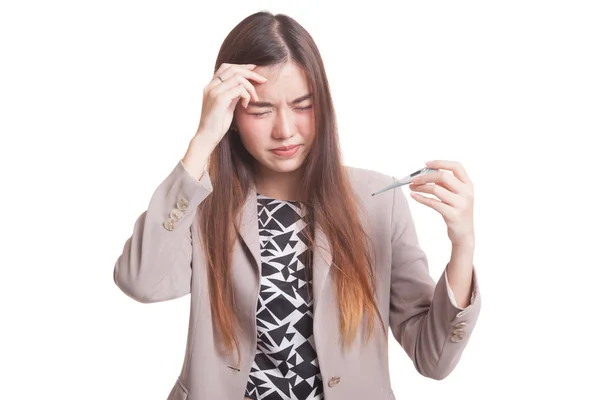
point(266, 112)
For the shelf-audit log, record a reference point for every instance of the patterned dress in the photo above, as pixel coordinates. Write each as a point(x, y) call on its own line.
point(285, 365)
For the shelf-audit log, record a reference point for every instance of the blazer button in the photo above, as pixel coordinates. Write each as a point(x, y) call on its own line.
point(460, 325)
point(176, 214)
point(169, 224)
point(334, 381)
point(182, 204)
point(457, 337)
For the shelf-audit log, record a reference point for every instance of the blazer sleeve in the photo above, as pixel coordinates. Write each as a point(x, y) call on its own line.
point(155, 264)
point(424, 317)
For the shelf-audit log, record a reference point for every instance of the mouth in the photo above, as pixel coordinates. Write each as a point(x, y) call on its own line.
point(285, 148)
point(286, 151)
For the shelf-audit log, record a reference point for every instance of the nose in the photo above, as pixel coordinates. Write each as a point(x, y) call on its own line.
point(284, 125)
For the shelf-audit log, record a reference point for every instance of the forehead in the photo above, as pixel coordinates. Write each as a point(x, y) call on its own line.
point(285, 82)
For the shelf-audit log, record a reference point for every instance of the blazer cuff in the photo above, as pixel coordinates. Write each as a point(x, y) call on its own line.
point(203, 181)
point(474, 294)
point(451, 293)
point(174, 203)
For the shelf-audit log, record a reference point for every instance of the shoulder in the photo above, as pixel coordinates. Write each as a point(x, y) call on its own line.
point(367, 180)
point(364, 182)
point(380, 212)
point(391, 204)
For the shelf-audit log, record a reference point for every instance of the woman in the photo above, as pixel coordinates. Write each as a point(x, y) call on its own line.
point(295, 271)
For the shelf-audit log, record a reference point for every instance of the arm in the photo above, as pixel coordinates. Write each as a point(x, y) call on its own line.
point(430, 328)
point(155, 264)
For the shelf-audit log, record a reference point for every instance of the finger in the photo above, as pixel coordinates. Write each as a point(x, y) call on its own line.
point(237, 77)
point(237, 93)
point(226, 91)
point(216, 80)
point(250, 88)
point(440, 192)
point(443, 209)
point(442, 178)
point(246, 73)
point(246, 96)
point(225, 71)
point(227, 66)
point(235, 81)
point(454, 166)
point(220, 88)
point(218, 75)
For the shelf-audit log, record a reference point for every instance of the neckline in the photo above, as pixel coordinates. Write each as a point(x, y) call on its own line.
point(280, 200)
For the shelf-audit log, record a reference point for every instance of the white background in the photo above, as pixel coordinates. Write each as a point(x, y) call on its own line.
point(100, 99)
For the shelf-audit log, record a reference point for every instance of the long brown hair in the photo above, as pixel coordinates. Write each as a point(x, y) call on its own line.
point(266, 39)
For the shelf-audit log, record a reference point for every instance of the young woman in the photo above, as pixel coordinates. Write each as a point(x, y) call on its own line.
point(295, 271)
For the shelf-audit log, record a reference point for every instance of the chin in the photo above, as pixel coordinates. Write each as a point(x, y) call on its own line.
point(282, 165)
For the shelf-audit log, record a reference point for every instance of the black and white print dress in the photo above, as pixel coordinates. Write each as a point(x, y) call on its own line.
point(285, 365)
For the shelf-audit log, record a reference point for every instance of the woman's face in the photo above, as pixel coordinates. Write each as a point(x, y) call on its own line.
point(283, 117)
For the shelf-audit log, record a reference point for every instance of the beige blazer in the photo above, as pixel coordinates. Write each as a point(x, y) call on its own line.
point(162, 260)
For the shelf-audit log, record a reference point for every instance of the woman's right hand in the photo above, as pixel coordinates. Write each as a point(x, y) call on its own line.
point(219, 102)
point(221, 97)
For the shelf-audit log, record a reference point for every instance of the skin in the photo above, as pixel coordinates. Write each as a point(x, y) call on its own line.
point(265, 127)
point(452, 196)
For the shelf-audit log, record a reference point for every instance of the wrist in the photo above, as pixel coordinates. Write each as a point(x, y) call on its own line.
point(197, 155)
point(204, 140)
point(466, 242)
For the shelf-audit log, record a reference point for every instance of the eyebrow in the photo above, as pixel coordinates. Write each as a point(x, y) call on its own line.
point(267, 104)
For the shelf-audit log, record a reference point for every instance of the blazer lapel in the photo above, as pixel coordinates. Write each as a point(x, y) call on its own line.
point(249, 226)
point(321, 264)
point(249, 233)
point(322, 258)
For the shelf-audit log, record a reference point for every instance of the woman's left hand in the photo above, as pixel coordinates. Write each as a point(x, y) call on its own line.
point(454, 191)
